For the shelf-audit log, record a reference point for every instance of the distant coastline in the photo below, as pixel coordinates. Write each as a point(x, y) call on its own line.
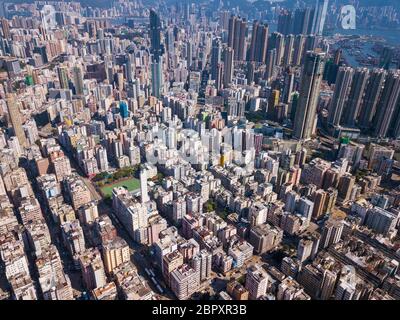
point(391, 37)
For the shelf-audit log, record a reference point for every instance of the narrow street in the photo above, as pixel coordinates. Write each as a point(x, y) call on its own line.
point(138, 255)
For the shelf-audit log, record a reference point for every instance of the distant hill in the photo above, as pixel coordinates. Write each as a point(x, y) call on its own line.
point(96, 3)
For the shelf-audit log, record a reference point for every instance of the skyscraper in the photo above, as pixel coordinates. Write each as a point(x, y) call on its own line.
point(311, 42)
point(5, 27)
point(302, 21)
point(288, 53)
point(156, 77)
point(231, 31)
point(270, 64)
point(170, 39)
point(130, 67)
point(78, 80)
point(189, 54)
point(216, 52)
point(388, 106)
point(253, 40)
point(321, 8)
point(285, 22)
point(228, 66)
point(220, 76)
point(277, 41)
point(299, 44)
point(354, 100)
point(2, 9)
point(259, 41)
point(237, 36)
point(345, 187)
point(155, 35)
point(309, 92)
point(386, 57)
point(372, 93)
point(250, 72)
point(143, 186)
point(272, 103)
point(224, 19)
point(339, 99)
point(287, 89)
point(338, 56)
point(15, 117)
point(102, 160)
point(63, 77)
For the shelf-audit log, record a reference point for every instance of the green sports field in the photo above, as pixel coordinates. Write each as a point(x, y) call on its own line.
point(131, 184)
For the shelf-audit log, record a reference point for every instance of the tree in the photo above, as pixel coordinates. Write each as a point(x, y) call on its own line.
point(209, 206)
point(242, 279)
point(100, 176)
point(108, 200)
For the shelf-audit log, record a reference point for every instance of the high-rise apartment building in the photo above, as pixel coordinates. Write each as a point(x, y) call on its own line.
point(228, 66)
point(270, 64)
point(345, 187)
point(63, 77)
point(78, 80)
point(171, 261)
point(237, 37)
point(92, 269)
point(320, 12)
point(339, 99)
point(371, 98)
point(15, 117)
point(288, 52)
point(155, 35)
point(216, 57)
point(331, 232)
point(387, 121)
point(355, 98)
point(201, 263)
point(265, 237)
point(143, 186)
point(259, 42)
point(156, 76)
point(256, 282)
point(305, 116)
point(285, 22)
point(115, 252)
point(184, 282)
